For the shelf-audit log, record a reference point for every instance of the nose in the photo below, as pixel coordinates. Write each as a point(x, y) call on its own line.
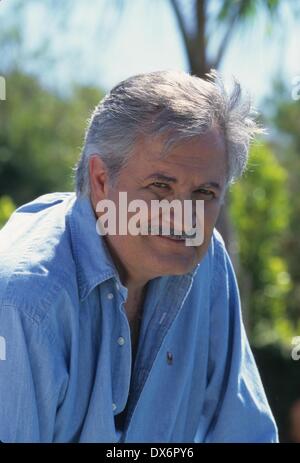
point(181, 215)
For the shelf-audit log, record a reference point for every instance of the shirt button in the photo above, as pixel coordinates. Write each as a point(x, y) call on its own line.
point(117, 286)
point(121, 341)
point(110, 296)
point(114, 406)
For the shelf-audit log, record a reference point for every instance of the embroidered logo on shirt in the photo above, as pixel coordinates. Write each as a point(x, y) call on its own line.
point(2, 348)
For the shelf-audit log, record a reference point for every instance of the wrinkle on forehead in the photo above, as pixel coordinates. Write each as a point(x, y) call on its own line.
point(205, 154)
point(152, 147)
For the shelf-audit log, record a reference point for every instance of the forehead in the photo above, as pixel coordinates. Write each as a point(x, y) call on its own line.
point(203, 156)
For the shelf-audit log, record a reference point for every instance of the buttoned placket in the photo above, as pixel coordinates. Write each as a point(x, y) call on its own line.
point(116, 295)
point(164, 315)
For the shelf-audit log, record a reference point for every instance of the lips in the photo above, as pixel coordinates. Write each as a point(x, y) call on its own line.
point(169, 239)
point(173, 235)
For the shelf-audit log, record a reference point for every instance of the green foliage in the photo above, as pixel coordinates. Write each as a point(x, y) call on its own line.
point(6, 209)
point(260, 210)
point(41, 135)
point(246, 8)
point(286, 117)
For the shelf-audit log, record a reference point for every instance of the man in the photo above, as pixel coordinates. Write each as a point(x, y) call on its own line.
point(133, 337)
point(294, 422)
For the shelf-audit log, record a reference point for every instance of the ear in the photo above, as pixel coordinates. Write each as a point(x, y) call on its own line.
point(98, 179)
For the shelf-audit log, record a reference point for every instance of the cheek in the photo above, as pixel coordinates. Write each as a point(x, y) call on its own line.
point(211, 213)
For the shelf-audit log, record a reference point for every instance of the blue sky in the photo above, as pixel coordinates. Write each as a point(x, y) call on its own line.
point(96, 47)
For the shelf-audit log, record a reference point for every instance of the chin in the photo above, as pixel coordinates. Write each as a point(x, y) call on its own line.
point(171, 265)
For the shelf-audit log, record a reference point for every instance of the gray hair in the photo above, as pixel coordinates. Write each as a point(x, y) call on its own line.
point(172, 104)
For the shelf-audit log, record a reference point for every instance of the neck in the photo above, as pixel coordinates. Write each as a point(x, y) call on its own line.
point(135, 298)
point(133, 279)
point(135, 282)
point(136, 288)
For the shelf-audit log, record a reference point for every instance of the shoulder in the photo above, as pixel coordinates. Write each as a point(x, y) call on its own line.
point(218, 248)
point(215, 273)
point(222, 266)
point(224, 293)
point(218, 274)
point(36, 262)
point(215, 262)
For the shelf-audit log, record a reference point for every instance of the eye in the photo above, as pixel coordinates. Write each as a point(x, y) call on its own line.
point(206, 194)
point(160, 185)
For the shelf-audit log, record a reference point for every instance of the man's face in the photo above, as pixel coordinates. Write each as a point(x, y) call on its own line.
point(192, 170)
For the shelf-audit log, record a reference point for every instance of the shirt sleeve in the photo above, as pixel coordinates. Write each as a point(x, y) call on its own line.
point(235, 407)
point(29, 385)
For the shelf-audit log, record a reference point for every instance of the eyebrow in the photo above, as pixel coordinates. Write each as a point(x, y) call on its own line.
point(161, 176)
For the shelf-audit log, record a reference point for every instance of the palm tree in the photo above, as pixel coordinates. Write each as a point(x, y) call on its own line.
point(229, 15)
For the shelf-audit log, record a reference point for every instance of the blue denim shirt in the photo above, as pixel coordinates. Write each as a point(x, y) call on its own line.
point(66, 365)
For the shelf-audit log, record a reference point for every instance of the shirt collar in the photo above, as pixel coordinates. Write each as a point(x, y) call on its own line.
point(94, 263)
